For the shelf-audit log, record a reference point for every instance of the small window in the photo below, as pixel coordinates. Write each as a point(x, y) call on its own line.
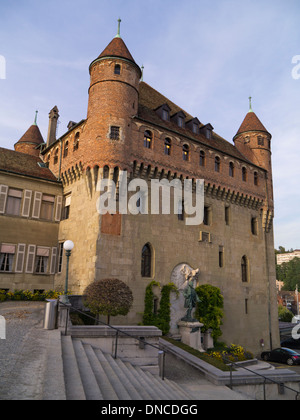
point(202, 158)
point(231, 169)
point(195, 128)
point(165, 115)
point(148, 139)
point(117, 69)
point(41, 260)
point(114, 133)
point(260, 140)
point(55, 160)
point(208, 133)
point(167, 146)
point(245, 269)
point(180, 122)
point(227, 215)
point(7, 253)
point(66, 149)
point(221, 256)
point(13, 203)
point(207, 219)
point(185, 152)
point(244, 174)
point(76, 142)
point(146, 268)
point(217, 164)
point(66, 207)
point(254, 226)
point(255, 178)
point(47, 207)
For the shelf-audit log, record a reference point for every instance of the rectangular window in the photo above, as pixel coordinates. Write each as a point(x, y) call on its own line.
point(41, 260)
point(47, 207)
point(7, 253)
point(66, 207)
point(246, 306)
point(3, 198)
point(114, 133)
point(221, 256)
point(227, 216)
point(13, 204)
point(207, 219)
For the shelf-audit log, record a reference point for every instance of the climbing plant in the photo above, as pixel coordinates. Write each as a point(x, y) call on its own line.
point(210, 310)
point(163, 317)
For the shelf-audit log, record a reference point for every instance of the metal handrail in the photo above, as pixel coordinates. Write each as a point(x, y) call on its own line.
point(266, 379)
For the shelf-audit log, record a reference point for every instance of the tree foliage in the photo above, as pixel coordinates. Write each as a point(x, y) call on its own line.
point(210, 310)
point(109, 297)
point(284, 314)
point(289, 273)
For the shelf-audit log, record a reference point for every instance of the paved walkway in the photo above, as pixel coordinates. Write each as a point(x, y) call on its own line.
point(24, 351)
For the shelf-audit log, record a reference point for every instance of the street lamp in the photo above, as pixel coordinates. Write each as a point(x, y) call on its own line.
point(68, 246)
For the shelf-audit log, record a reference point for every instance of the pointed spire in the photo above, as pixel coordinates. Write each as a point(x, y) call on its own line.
point(35, 119)
point(119, 28)
point(250, 104)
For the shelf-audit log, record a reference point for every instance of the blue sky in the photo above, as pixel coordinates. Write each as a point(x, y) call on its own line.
point(207, 56)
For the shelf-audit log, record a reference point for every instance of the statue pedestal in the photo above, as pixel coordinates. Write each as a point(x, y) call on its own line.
point(191, 334)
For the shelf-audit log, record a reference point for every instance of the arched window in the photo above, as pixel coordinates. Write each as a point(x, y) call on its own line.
point(217, 164)
point(202, 158)
point(146, 266)
point(245, 269)
point(167, 146)
point(231, 169)
point(55, 161)
point(185, 152)
point(255, 178)
point(244, 174)
point(76, 142)
point(66, 149)
point(148, 139)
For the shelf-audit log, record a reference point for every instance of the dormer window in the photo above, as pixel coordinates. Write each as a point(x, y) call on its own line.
point(193, 125)
point(207, 131)
point(179, 119)
point(164, 112)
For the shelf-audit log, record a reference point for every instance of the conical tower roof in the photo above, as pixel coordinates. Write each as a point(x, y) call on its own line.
point(251, 123)
point(32, 135)
point(117, 48)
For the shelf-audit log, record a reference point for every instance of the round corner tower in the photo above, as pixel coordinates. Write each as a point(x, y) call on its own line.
point(254, 142)
point(113, 101)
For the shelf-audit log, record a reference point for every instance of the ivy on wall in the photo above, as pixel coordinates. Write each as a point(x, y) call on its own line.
point(162, 318)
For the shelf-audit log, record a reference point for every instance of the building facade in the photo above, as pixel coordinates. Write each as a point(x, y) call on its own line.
point(133, 129)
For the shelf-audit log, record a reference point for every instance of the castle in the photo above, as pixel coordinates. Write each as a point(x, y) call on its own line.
point(49, 193)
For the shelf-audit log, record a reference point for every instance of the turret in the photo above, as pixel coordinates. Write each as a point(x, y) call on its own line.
point(254, 142)
point(113, 99)
point(31, 141)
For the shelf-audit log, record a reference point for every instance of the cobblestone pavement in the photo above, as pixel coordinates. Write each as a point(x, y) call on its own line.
point(22, 352)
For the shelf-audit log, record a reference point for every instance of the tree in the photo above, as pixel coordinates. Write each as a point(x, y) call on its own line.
point(109, 297)
point(289, 273)
point(284, 314)
point(210, 310)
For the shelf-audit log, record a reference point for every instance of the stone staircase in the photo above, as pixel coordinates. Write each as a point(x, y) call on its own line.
point(91, 374)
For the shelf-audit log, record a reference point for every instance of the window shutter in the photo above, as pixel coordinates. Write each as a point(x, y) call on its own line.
point(37, 205)
point(3, 198)
point(58, 208)
point(26, 203)
point(30, 259)
point(20, 258)
point(53, 261)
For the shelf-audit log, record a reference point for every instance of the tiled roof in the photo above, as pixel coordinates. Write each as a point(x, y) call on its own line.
point(150, 100)
point(32, 135)
point(24, 164)
point(117, 48)
point(251, 123)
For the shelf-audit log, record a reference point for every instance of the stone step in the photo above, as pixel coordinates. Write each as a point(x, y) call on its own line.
point(73, 383)
point(104, 384)
point(89, 381)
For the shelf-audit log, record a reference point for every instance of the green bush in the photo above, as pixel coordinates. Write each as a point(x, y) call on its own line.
point(21, 295)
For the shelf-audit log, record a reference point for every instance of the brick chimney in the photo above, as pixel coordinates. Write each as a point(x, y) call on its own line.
point(53, 118)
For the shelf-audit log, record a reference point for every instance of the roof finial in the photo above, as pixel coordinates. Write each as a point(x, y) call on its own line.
point(250, 104)
point(35, 119)
point(119, 29)
point(142, 78)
